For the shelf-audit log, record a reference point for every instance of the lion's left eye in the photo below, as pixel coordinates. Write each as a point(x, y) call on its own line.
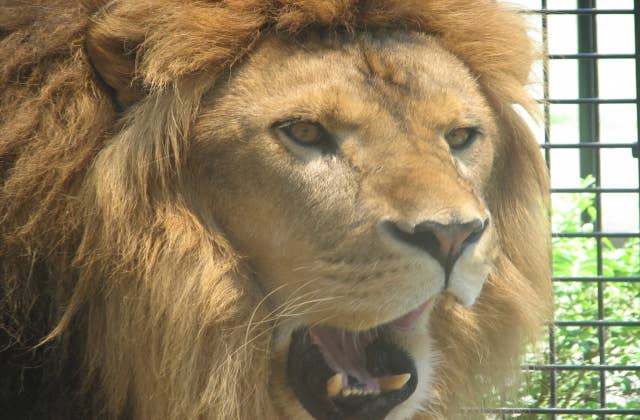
point(459, 138)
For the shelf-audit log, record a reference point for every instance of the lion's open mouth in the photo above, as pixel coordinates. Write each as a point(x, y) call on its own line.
point(339, 374)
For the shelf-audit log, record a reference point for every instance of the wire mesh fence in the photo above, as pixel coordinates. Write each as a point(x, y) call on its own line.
point(590, 99)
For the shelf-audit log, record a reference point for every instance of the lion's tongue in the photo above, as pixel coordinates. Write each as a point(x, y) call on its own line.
point(344, 352)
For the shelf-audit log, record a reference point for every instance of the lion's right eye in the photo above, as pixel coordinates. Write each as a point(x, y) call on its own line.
point(306, 133)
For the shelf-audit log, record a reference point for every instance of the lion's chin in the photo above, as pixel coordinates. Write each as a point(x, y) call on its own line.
point(341, 374)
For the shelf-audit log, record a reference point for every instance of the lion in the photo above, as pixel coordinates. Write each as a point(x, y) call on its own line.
point(261, 209)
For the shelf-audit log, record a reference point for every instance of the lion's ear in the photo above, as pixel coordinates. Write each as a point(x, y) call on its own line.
point(113, 55)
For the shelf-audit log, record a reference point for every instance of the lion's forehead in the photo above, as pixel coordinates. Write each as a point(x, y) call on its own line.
point(402, 80)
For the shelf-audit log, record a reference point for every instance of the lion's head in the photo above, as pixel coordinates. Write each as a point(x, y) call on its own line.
point(256, 209)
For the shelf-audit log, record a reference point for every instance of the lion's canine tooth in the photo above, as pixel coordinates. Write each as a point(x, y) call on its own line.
point(334, 385)
point(346, 392)
point(393, 382)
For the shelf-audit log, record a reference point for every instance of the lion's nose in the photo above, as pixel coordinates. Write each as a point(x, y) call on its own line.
point(444, 242)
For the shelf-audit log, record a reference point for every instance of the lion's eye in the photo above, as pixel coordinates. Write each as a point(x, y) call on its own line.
point(459, 138)
point(306, 133)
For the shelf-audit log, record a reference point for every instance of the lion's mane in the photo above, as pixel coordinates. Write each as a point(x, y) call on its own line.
point(114, 299)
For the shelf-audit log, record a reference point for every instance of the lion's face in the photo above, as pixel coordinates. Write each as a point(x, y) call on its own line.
point(351, 175)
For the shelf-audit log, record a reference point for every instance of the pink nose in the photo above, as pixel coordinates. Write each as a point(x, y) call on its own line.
point(444, 242)
point(452, 238)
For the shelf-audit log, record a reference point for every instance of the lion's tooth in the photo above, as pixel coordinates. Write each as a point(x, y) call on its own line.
point(346, 392)
point(393, 382)
point(334, 385)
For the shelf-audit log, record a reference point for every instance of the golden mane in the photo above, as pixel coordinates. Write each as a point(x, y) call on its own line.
point(89, 260)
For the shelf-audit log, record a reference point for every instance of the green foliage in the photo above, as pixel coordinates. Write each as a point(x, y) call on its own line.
point(578, 301)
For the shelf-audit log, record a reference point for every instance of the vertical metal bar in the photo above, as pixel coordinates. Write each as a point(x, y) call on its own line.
point(601, 286)
point(545, 78)
point(590, 158)
point(553, 400)
point(636, 8)
point(587, 87)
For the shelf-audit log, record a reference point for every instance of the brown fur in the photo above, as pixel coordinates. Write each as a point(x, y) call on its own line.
point(119, 298)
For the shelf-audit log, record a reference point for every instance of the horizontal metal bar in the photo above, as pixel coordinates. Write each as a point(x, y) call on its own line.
point(595, 368)
point(558, 411)
point(596, 234)
point(582, 11)
point(593, 56)
point(591, 145)
point(577, 101)
point(599, 279)
point(594, 190)
point(597, 323)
